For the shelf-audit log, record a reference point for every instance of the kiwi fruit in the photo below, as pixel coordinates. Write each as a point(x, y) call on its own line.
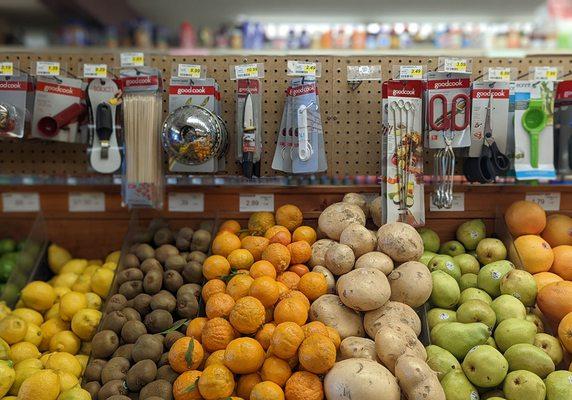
point(150, 264)
point(207, 225)
point(163, 236)
point(132, 330)
point(130, 261)
point(141, 374)
point(186, 233)
point(93, 370)
point(159, 388)
point(158, 321)
point(182, 244)
point(115, 303)
point(131, 274)
point(147, 347)
point(124, 350)
point(197, 256)
point(184, 254)
point(187, 304)
point(119, 397)
point(176, 262)
point(92, 388)
point(116, 368)
point(131, 289)
point(104, 343)
point(163, 301)
point(166, 373)
point(193, 272)
point(193, 288)
point(141, 303)
point(144, 251)
point(201, 240)
point(111, 388)
point(165, 251)
point(113, 321)
point(131, 314)
point(171, 338)
point(153, 281)
point(172, 281)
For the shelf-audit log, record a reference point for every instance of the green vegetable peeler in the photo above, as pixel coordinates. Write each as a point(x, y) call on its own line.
point(533, 121)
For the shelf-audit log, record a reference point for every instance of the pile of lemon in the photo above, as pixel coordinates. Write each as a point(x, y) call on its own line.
point(46, 340)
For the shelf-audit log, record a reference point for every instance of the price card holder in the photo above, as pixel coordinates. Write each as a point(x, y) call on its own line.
point(458, 204)
point(500, 74)
point(549, 201)
point(409, 72)
point(132, 59)
point(304, 68)
point(20, 202)
point(247, 71)
point(86, 202)
point(186, 202)
point(256, 202)
point(9, 68)
point(91, 71)
point(48, 68)
point(192, 71)
point(544, 73)
point(358, 73)
point(459, 65)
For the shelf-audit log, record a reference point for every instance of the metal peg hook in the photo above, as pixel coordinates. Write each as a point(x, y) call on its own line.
point(354, 85)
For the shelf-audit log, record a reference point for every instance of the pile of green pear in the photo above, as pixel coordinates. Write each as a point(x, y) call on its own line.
point(486, 343)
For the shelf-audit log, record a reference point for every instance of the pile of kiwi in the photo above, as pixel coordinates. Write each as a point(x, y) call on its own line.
point(157, 290)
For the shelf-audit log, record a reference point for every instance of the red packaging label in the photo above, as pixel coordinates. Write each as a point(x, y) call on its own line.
point(449, 84)
point(405, 88)
point(486, 93)
point(59, 89)
point(192, 90)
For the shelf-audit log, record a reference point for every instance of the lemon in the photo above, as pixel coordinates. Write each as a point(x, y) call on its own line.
point(75, 266)
point(43, 385)
point(13, 329)
point(65, 280)
point(85, 348)
point(113, 257)
point(29, 315)
point(93, 301)
point(4, 350)
point(83, 284)
point(75, 393)
point(85, 323)
point(33, 363)
point(33, 335)
point(110, 265)
point(49, 329)
point(38, 295)
point(44, 358)
point(67, 380)
point(57, 257)
point(99, 263)
point(24, 370)
point(71, 303)
point(61, 361)
point(65, 341)
point(60, 291)
point(7, 376)
point(91, 269)
point(101, 281)
point(83, 359)
point(22, 351)
point(20, 304)
point(53, 312)
point(4, 309)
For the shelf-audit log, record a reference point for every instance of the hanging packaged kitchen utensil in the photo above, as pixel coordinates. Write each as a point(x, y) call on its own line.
point(14, 86)
point(282, 160)
point(563, 128)
point(249, 125)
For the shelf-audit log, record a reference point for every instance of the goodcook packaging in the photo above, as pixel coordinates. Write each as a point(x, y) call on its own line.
point(563, 128)
point(244, 87)
point(13, 95)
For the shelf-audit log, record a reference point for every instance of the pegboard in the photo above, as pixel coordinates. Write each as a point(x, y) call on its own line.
point(351, 117)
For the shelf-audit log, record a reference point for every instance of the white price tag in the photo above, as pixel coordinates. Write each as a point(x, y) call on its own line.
point(498, 74)
point(94, 70)
point(410, 72)
point(246, 71)
point(256, 202)
point(20, 202)
point(48, 68)
point(186, 202)
point(302, 68)
point(86, 202)
point(545, 73)
point(548, 201)
point(136, 59)
point(189, 71)
point(458, 203)
point(455, 65)
point(6, 68)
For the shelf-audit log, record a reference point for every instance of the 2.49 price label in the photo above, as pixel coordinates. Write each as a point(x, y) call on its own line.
point(256, 202)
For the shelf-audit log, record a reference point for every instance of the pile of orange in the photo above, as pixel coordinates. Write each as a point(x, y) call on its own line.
point(256, 341)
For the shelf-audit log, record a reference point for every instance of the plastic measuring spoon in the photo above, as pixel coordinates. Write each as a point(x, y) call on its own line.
point(533, 121)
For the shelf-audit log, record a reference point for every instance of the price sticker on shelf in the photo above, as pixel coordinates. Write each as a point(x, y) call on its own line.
point(6, 68)
point(256, 202)
point(549, 201)
point(189, 71)
point(136, 59)
point(86, 202)
point(20, 202)
point(410, 72)
point(458, 203)
point(455, 65)
point(48, 68)
point(94, 70)
point(302, 68)
point(186, 202)
point(246, 71)
point(499, 74)
point(545, 73)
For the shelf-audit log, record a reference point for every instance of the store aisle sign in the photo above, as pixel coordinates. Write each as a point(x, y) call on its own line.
point(186, 202)
point(549, 201)
point(86, 202)
point(256, 202)
point(458, 204)
point(20, 202)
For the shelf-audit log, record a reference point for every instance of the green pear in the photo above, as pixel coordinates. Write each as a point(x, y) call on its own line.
point(468, 281)
point(490, 275)
point(520, 284)
point(475, 294)
point(457, 387)
point(506, 306)
point(470, 233)
point(438, 315)
point(523, 385)
point(559, 385)
point(476, 311)
point(493, 398)
point(493, 394)
point(441, 361)
point(426, 257)
point(536, 320)
point(446, 292)
point(459, 338)
point(445, 263)
point(550, 345)
point(485, 366)
point(473, 253)
point(513, 331)
point(491, 342)
point(530, 358)
point(490, 250)
point(452, 248)
point(431, 241)
point(467, 263)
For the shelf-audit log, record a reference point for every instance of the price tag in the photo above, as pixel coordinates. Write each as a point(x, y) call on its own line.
point(117, 180)
point(549, 201)
point(94, 70)
point(498, 74)
point(545, 73)
point(458, 203)
point(256, 202)
point(246, 71)
point(132, 59)
point(86, 202)
point(455, 65)
point(410, 72)
point(186, 202)
point(20, 202)
point(363, 72)
point(189, 71)
point(47, 68)
point(302, 68)
point(6, 68)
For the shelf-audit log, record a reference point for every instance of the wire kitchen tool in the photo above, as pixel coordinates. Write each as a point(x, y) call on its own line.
point(533, 121)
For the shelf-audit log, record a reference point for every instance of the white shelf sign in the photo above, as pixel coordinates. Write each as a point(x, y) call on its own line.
point(246, 71)
point(499, 74)
point(136, 59)
point(94, 70)
point(256, 202)
point(410, 72)
point(47, 68)
point(186, 202)
point(20, 202)
point(189, 71)
point(549, 201)
point(6, 68)
point(86, 202)
point(458, 203)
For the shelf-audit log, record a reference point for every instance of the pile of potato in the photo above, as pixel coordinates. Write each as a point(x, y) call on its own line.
point(375, 282)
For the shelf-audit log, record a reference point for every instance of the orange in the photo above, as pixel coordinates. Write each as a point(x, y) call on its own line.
point(225, 243)
point(313, 285)
point(304, 385)
point(186, 386)
point(244, 356)
point(247, 315)
point(290, 279)
point(240, 259)
point(215, 358)
point(239, 285)
point(305, 233)
point(545, 278)
point(282, 238)
point(286, 339)
point(267, 391)
point(271, 232)
point(216, 267)
point(300, 252)
point(558, 230)
point(212, 287)
point(334, 336)
point(266, 290)
point(299, 269)
point(275, 370)
point(264, 335)
point(185, 354)
point(260, 222)
point(255, 245)
point(216, 382)
point(230, 225)
point(217, 334)
point(195, 328)
point(562, 265)
point(282, 288)
point(262, 268)
point(291, 309)
point(525, 218)
point(315, 327)
point(219, 305)
point(289, 216)
point(246, 383)
point(317, 354)
point(278, 255)
point(298, 295)
point(534, 252)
